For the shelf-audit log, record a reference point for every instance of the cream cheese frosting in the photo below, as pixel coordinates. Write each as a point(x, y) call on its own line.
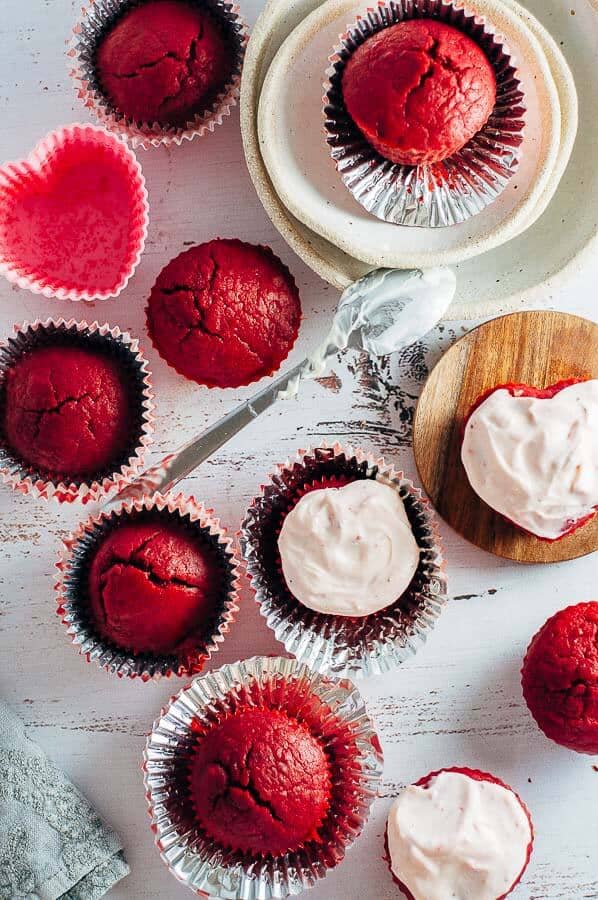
point(348, 551)
point(458, 838)
point(534, 460)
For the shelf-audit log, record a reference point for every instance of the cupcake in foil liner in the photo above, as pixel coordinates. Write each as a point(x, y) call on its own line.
point(342, 646)
point(73, 603)
point(443, 193)
point(97, 18)
point(116, 345)
point(332, 710)
point(32, 178)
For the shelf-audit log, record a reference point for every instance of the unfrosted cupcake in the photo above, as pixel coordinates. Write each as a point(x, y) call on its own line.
point(560, 677)
point(458, 833)
point(76, 409)
point(260, 775)
point(419, 90)
point(165, 61)
point(149, 588)
point(224, 313)
point(345, 560)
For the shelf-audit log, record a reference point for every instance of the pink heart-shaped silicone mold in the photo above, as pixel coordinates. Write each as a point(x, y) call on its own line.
point(73, 215)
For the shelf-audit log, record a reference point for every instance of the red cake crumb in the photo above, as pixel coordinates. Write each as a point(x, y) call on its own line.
point(164, 61)
point(419, 90)
point(560, 677)
point(224, 313)
point(476, 775)
point(260, 782)
point(153, 588)
point(67, 411)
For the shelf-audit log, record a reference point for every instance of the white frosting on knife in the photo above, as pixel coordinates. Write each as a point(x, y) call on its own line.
point(458, 838)
point(535, 461)
point(348, 551)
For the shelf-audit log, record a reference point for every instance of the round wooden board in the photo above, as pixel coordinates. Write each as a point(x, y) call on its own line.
point(535, 348)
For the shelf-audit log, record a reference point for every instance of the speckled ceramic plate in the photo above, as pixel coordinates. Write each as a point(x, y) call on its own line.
point(516, 273)
point(297, 157)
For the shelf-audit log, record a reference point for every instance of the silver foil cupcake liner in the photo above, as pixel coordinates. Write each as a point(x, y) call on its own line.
point(339, 645)
point(333, 710)
point(121, 347)
point(72, 593)
point(96, 20)
point(443, 193)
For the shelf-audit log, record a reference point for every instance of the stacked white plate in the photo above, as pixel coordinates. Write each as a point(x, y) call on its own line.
point(503, 255)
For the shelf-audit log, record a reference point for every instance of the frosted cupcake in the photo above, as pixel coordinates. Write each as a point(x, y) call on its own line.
point(345, 560)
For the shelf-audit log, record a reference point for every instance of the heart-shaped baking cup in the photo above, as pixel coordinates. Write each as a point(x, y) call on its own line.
point(530, 463)
point(73, 215)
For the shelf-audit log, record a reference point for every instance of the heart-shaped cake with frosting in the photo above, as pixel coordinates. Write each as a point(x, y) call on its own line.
point(532, 455)
point(73, 216)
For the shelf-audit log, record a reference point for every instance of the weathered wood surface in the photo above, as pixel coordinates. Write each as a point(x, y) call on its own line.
point(457, 701)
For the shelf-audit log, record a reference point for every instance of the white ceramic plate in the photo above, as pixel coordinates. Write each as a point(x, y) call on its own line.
point(294, 150)
point(520, 271)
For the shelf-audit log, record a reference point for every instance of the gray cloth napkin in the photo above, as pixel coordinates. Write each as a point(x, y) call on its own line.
point(52, 843)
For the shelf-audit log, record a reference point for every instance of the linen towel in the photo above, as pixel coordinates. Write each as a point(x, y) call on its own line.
point(52, 843)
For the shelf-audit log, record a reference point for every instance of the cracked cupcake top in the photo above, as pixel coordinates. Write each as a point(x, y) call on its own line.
point(224, 313)
point(164, 61)
point(154, 588)
point(260, 782)
point(560, 677)
point(67, 411)
point(419, 90)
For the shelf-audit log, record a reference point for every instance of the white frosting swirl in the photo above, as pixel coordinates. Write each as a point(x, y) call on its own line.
point(458, 838)
point(348, 551)
point(536, 460)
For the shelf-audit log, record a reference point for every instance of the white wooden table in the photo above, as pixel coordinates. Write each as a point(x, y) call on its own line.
point(457, 702)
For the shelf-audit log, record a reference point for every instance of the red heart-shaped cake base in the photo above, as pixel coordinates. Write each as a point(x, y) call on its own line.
point(73, 216)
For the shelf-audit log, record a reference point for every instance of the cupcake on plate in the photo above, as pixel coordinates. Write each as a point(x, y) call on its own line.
point(532, 455)
point(419, 90)
point(150, 588)
point(260, 775)
point(345, 560)
point(424, 112)
point(76, 409)
point(458, 833)
point(560, 677)
point(224, 313)
point(159, 71)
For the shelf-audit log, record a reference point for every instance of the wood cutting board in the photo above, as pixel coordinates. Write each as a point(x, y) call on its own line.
point(535, 348)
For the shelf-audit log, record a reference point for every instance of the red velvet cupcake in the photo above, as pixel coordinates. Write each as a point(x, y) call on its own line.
point(149, 588)
point(152, 586)
point(419, 90)
point(67, 410)
point(560, 677)
point(531, 454)
point(260, 782)
point(75, 409)
point(458, 832)
point(158, 72)
point(260, 774)
point(224, 313)
point(164, 61)
point(348, 634)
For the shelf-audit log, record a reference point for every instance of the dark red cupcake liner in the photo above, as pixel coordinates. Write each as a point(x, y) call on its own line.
point(124, 349)
point(96, 19)
point(73, 602)
point(340, 645)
